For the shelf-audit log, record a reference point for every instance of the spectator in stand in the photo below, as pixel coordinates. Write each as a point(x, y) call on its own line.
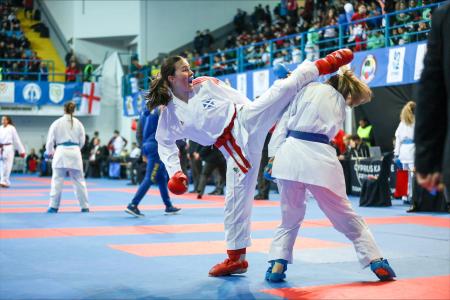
point(359, 29)
point(198, 42)
point(72, 72)
point(312, 48)
point(28, 9)
point(403, 36)
point(208, 40)
point(376, 40)
point(292, 7)
point(422, 31)
point(239, 21)
point(69, 57)
point(135, 67)
point(43, 71)
point(87, 72)
point(32, 161)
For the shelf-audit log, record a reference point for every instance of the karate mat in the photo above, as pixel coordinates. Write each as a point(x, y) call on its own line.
point(108, 254)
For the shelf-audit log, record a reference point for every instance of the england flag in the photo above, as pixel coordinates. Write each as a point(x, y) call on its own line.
point(90, 99)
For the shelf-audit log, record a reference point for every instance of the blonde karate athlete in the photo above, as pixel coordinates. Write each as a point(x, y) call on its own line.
point(404, 145)
point(304, 160)
point(9, 140)
point(209, 112)
point(67, 135)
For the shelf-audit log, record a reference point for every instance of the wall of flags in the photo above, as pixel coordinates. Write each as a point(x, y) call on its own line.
point(381, 67)
point(38, 93)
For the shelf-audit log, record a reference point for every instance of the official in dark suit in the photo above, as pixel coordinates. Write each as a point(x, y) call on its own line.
point(432, 130)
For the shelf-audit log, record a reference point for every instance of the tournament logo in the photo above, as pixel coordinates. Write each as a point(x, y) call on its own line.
point(56, 92)
point(32, 93)
point(368, 68)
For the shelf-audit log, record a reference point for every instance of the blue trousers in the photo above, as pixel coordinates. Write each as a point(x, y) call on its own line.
point(154, 173)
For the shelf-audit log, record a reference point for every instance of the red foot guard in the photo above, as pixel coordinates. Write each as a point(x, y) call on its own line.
point(231, 265)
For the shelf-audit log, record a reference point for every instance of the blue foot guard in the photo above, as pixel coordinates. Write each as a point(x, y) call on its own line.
point(382, 269)
point(276, 277)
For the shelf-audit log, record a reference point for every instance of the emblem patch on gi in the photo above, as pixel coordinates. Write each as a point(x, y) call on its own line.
point(208, 103)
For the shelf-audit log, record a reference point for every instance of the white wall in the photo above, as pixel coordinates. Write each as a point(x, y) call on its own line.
point(95, 50)
point(63, 13)
point(103, 22)
point(105, 18)
point(166, 25)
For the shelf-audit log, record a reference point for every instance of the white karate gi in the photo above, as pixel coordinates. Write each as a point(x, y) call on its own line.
point(301, 165)
point(9, 140)
point(66, 159)
point(204, 118)
point(404, 148)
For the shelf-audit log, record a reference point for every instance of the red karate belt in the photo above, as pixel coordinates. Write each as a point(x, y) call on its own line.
point(226, 140)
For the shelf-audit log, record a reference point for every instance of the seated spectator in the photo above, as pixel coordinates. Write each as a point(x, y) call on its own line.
point(376, 40)
point(422, 31)
point(357, 148)
point(32, 161)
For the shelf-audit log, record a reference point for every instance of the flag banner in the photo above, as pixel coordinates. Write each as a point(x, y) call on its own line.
point(38, 93)
point(90, 99)
point(7, 92)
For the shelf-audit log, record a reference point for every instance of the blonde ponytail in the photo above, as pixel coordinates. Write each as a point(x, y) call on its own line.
point(407, 113)
point(354, 91)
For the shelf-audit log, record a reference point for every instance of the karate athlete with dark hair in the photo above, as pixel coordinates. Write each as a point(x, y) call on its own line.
point(302, 159)
point(210, 112)
point(9, 140)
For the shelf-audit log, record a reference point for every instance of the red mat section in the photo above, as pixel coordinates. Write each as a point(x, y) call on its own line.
point(436, 287)
point(214, 247)
point(34, 202)
point(189, 228)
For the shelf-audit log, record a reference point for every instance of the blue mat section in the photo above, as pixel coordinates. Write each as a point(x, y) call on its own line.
point(85, 267)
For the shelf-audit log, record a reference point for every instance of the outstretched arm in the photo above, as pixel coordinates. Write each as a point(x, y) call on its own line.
point(17, 142)
point(166, 135)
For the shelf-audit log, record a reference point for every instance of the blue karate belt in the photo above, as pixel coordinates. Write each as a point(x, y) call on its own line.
point(68, 144)
point(407, 142)
point(309, 136)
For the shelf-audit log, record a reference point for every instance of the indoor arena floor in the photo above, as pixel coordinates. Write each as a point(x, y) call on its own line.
point(108, 254)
